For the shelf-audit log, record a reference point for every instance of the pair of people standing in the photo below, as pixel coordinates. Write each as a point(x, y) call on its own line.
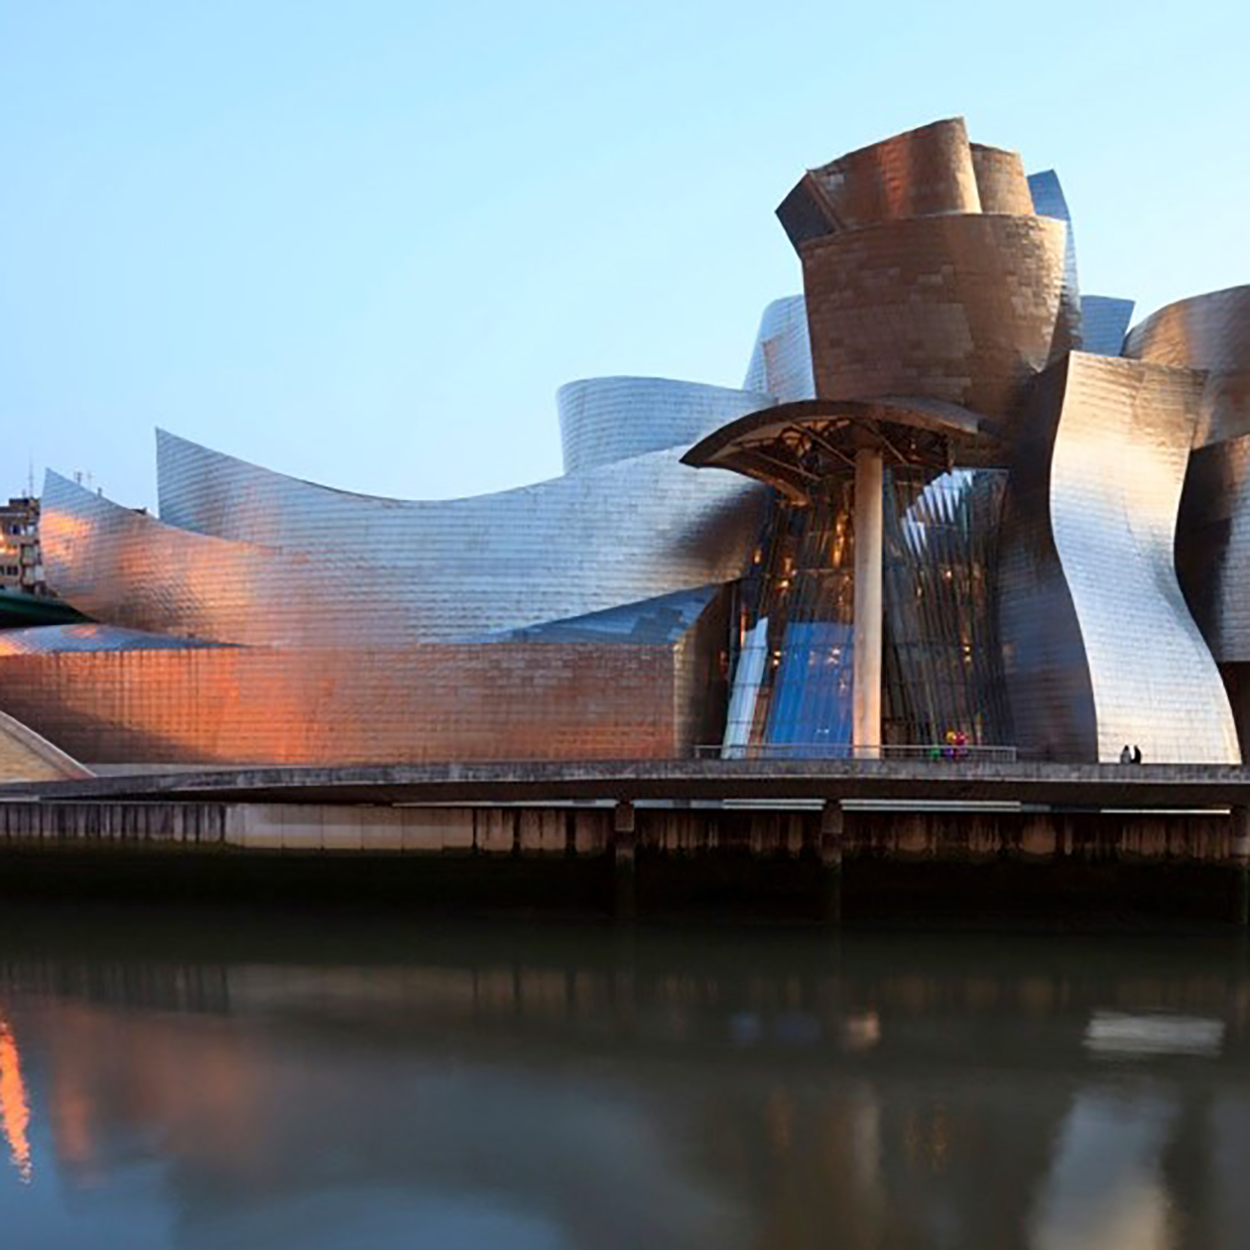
point(1130, 756)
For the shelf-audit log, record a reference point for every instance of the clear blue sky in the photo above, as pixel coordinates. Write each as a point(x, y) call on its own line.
point(364, 241)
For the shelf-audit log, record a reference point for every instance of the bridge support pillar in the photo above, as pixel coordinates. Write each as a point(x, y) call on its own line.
point(624, 843)
point(1239, 857)
point(829, 850)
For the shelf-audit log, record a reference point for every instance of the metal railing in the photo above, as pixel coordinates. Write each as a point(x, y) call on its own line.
point(937, 752)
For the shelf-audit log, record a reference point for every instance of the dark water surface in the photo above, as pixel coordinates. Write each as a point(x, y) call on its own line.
point(218, 1081)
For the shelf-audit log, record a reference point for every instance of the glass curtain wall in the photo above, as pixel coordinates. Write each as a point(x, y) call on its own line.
point(793, 628)
point(943, 662)
point(792, 676)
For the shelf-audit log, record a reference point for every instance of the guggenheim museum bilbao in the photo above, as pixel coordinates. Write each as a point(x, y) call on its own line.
point(954, 496)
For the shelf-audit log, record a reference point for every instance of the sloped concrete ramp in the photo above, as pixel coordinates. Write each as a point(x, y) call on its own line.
point(25, 756)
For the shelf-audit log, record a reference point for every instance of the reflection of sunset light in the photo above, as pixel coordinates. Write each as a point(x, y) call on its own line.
point(14, 1110)
point(862, 1031)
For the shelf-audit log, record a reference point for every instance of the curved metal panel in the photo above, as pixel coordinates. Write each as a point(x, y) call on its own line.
point(1210, 332)
point(920, 172)
point(961, 308)
point(781, 361)
point(324, 567)
point(796, 448)
point(1001, 183)
point(1049, 200)
point(1101, 650)
point(124, 567)
point(1213, 546)
point(603, 420)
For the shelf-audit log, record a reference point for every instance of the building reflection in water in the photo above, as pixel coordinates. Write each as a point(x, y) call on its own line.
point(580, 1089)
point(14, 1108)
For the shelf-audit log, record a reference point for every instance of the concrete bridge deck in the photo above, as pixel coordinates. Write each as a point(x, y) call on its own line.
point(1145, 786)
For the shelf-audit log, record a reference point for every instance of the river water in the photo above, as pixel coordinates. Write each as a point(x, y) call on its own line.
point(215, 1080)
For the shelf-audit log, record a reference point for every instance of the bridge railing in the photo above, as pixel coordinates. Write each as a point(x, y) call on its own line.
point(936, 752)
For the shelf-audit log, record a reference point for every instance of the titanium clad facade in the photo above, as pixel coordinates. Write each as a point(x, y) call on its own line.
point(1049, 200)
point(1209, 332)
point(1213, 562)
point(781, 361)
point(1101, 648)
point(1213, 546)
point(261, 705)
point(1001, 184)
point(379, 630)
point(410, 572)
point(921, 172)
point(959, 308)
point(603, 420)
point(1212, 332)
point(1032, 559)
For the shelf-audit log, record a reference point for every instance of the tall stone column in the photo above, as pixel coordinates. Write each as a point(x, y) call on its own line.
point(866, 654)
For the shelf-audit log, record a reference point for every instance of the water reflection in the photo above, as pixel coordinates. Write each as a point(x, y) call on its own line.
point(216, 1082)
point(14, 1111)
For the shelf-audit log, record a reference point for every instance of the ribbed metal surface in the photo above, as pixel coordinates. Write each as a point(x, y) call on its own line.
point(781, 360)
point(603, 420)
point(1210, 332)
point(1101, 649)
point(324, 567)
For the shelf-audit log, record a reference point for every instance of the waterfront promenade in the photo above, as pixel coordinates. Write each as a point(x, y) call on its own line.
point(907, 780)
point(805, 837)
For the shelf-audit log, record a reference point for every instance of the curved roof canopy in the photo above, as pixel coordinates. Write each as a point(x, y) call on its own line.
point(796, 446)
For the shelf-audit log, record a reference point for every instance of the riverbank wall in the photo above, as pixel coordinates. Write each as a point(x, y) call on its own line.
point(626, 860)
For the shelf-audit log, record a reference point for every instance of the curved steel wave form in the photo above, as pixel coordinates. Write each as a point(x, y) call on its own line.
point(603, 420)
point(259, 558)
point(781, 361)
point(925, 171)
point(1210, 332)
point(1213, 546)
point(1101, 648)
